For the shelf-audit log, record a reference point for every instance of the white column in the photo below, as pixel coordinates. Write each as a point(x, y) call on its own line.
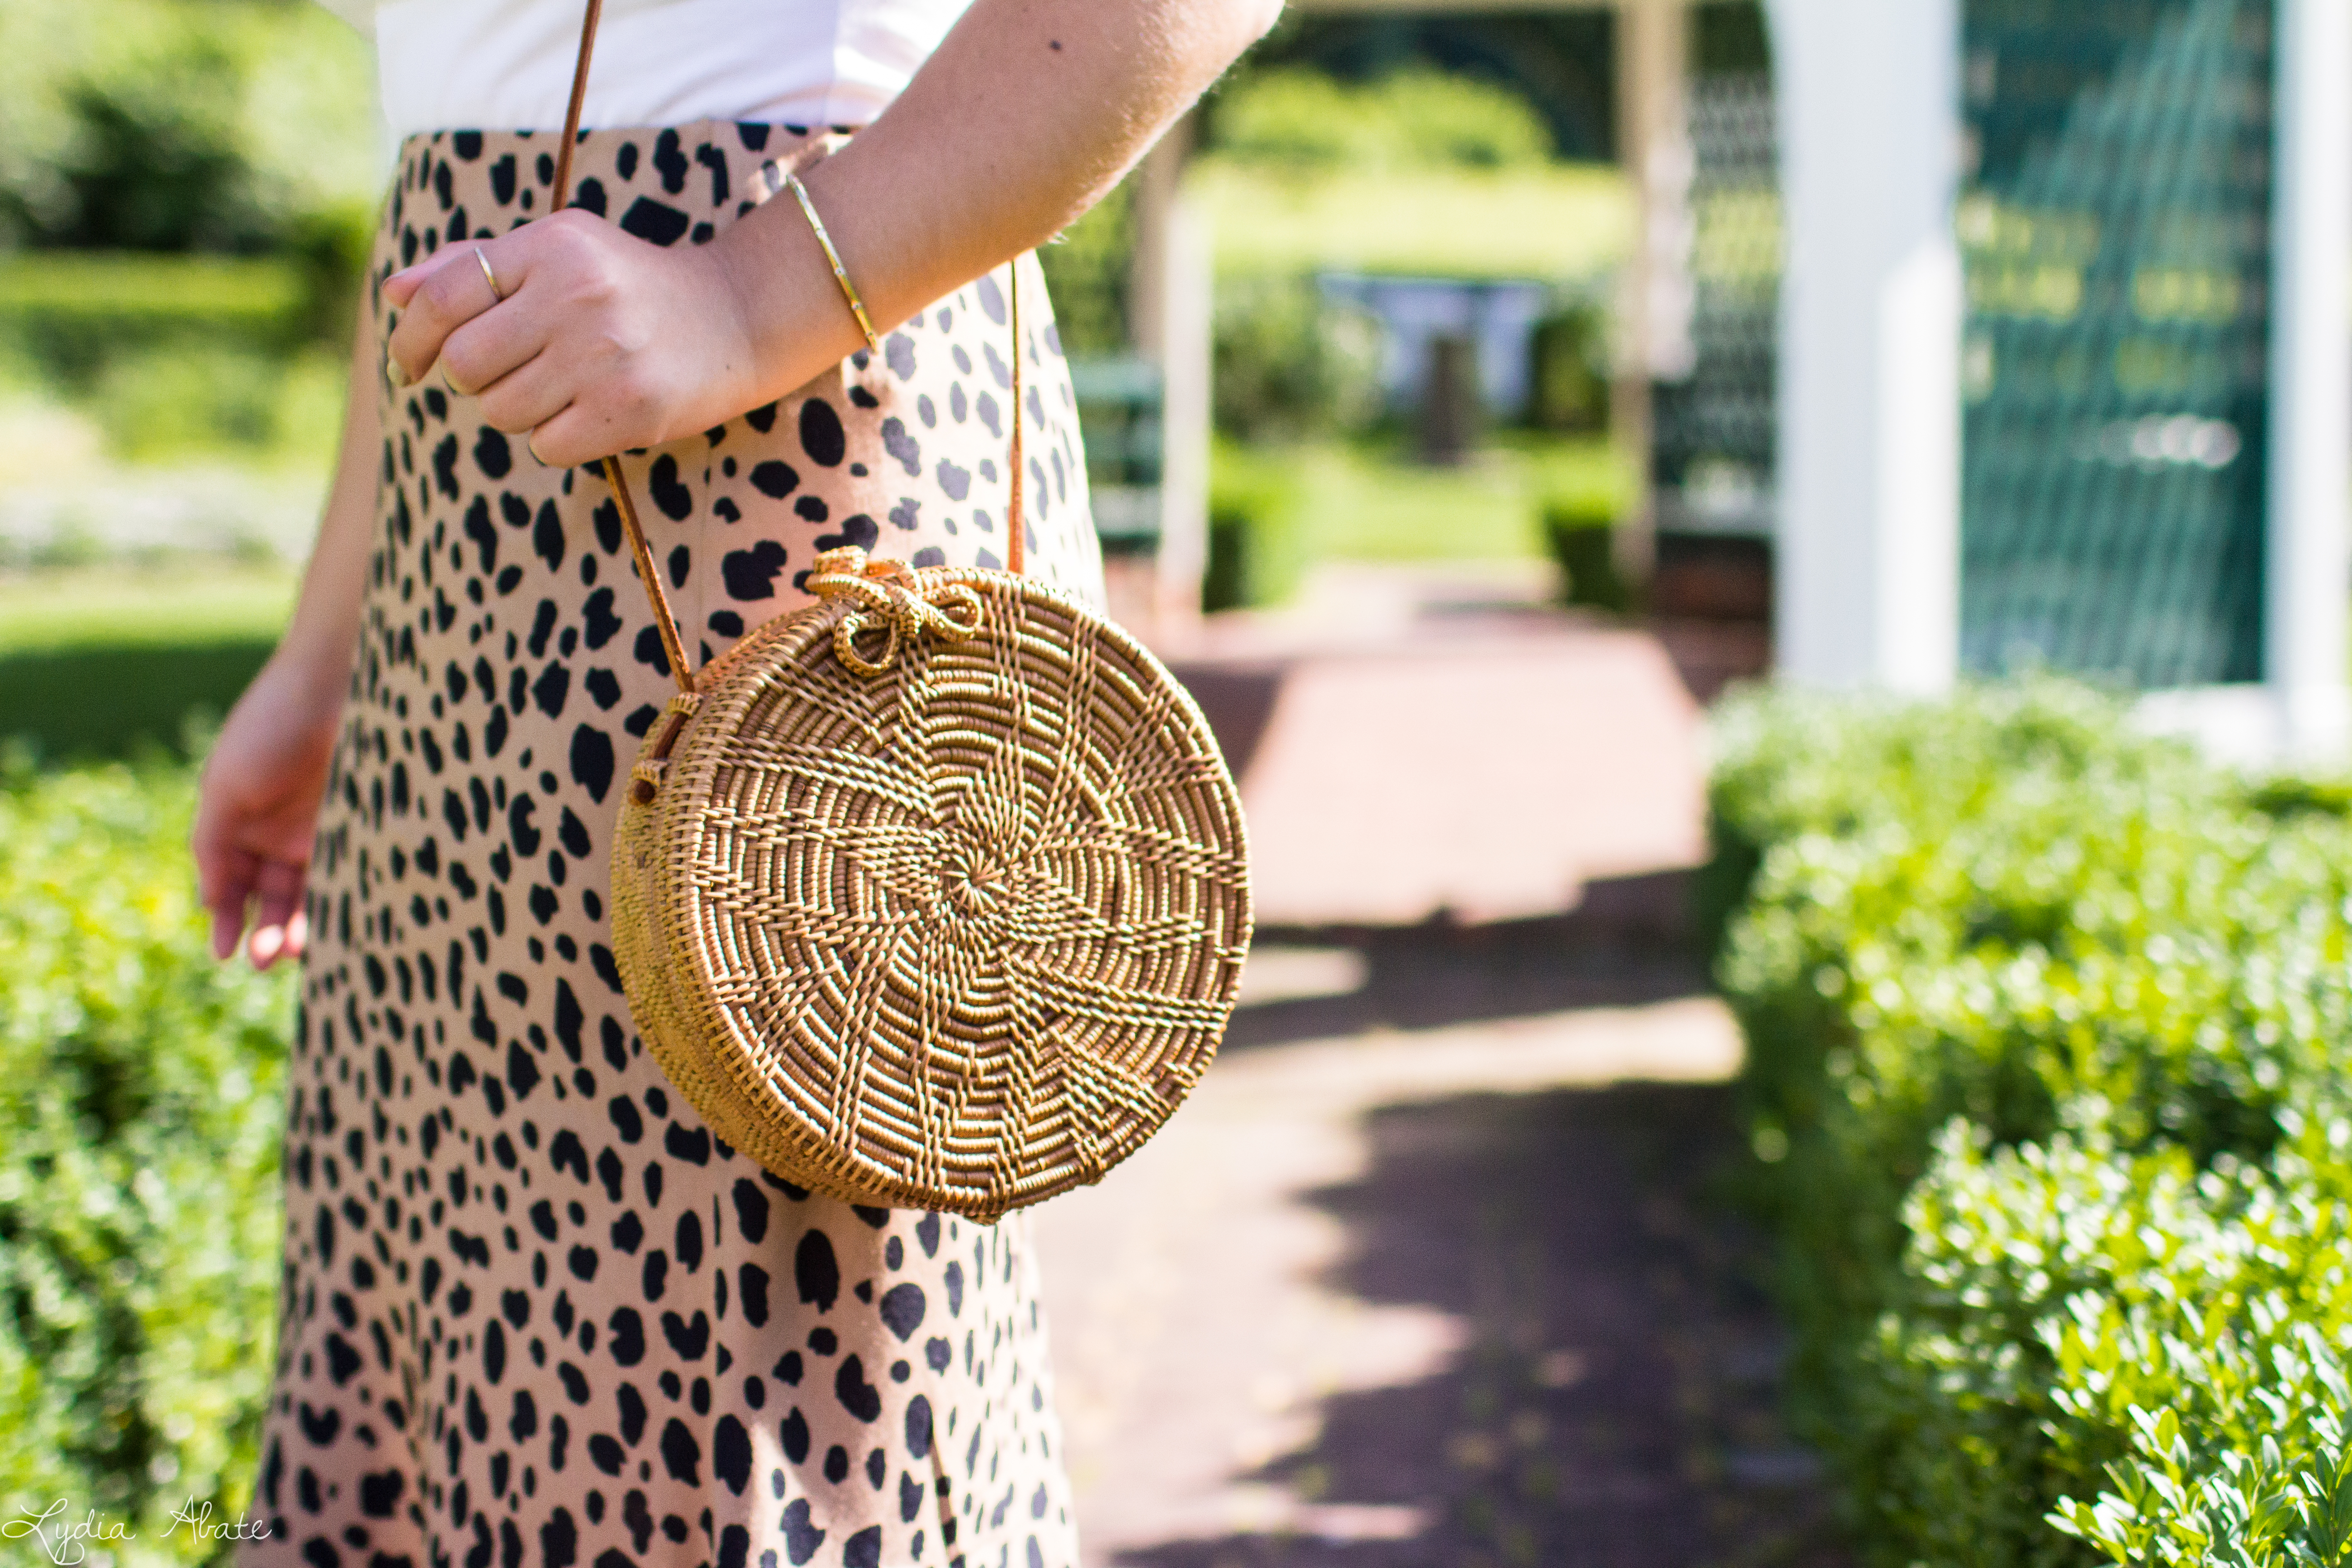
point(1171, 308)
point(1186, 416)
point(1867, 558)
point(2309, 573)
point(1654, 303)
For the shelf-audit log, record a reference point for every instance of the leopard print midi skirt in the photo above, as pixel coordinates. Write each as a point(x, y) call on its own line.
point(533, 1312)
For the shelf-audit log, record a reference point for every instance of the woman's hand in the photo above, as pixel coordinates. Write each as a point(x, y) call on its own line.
point(601, 341)
point(258, 811)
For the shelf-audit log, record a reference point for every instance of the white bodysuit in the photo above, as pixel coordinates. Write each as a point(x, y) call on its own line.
point(506, 64)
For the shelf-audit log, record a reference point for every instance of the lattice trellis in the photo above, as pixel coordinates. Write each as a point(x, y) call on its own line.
point(2116, 234)
point(1715, 432)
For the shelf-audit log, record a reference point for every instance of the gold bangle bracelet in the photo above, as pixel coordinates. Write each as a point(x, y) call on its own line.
point(840, 273)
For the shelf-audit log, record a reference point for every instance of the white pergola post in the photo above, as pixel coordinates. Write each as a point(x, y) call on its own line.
point(1654, 306)
point(1867, 563)
point(2309, 571)
point(1171, 293)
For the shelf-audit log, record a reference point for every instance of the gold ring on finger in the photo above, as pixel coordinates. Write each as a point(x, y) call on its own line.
point(490, 277)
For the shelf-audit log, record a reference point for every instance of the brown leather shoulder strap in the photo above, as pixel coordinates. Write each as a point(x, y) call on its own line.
point(1016, 525)
point(572, 110)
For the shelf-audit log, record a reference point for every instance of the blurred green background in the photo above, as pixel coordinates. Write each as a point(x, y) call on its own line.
point(1387, 148)
point(187, 189)
point(186, 192)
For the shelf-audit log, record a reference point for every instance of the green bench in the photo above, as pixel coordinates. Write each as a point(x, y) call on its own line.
point(1120, 399)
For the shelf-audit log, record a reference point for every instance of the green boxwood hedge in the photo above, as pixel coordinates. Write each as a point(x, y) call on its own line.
point(140, 1125)
point(2047, 1024)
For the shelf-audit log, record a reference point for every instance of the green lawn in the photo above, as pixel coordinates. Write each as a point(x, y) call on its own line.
point(1369, 501)
point(1368, 504)
point(253, 294)
point(200, 606)
point(107, 663)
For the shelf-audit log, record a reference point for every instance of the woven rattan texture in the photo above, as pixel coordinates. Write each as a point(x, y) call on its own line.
point(959, 934)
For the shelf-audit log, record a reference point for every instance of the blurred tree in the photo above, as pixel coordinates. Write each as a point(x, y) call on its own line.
point(179, 124)
point(1290, 366)
point(1568, 389)
point(1086, 271)
point(1560, 65)
point(1304, 118)
point(153, 164)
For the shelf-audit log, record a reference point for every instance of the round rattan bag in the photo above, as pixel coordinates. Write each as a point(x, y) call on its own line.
point(933, 894)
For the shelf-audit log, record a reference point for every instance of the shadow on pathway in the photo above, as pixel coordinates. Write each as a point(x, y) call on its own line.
point(1447, 1278)
point(1437, 975)
point(1612, 1401)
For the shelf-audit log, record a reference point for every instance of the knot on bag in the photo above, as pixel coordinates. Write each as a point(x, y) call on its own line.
point(893, 598)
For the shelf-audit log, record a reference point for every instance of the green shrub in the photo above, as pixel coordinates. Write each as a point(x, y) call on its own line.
point(157, 693)
point(190, 354)
point(2154, 1352)
point(1580, 531)
point(76, 314)
point(1569, 369)
point(1257, 544)
point(2043, 1019)
point(140, 1124)
point(159, 404)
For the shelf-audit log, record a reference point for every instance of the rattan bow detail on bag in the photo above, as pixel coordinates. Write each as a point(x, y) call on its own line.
point(888, 594)
point(933, 894)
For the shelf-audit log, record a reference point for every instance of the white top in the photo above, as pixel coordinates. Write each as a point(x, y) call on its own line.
point(506, 64)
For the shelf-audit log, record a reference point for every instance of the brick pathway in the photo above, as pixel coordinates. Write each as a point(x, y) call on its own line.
point(1409, 742)
point(1429, 1272)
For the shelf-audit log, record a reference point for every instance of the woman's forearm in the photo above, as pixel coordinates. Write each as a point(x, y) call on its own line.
point(1028, 111)
point(319, 640)
point(258, 811)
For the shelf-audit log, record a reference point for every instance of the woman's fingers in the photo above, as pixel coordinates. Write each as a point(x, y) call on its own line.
point(273, 940)
point(237, 883)
point(526, 396)
point(227, 886)
point(278, 927)
point(241, 887)
point(584, 432)
point(438, 295)
point(224, 875)
point(491, 350)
